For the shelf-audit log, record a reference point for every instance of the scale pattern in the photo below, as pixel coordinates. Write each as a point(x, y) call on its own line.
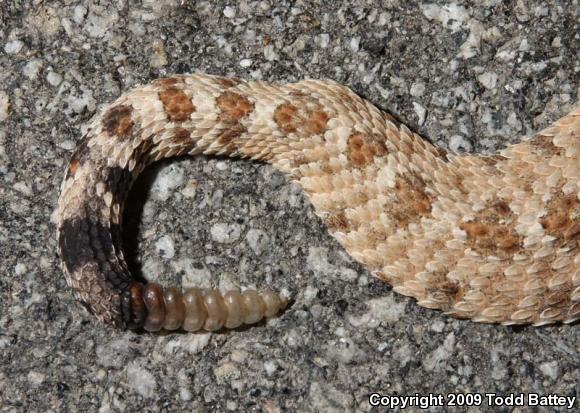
point(489, 238)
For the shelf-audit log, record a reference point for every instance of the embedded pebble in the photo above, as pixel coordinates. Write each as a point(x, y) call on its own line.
point(437, 360)
point(323, 40)
point(224, 233)
point(169, 178)
point(270, 367)
point(421, 113)
point(381, 310)
point(270, 53)
point(13, 46)
point(81, 101)
point(438, 326)
point(45, 21)
point(4, 106)
point(23, 188)
point(32, 68)
point(550, 369)
point(417, 89)
point(230, 12)
point(514, 122)
point(189, 189)
point(53, 78)
point(324, 397)
point(165, 247)
point(141, 380)
point(459, 144)
point(189, 343)
point(403, 355)
point(79, 13)
point(158, 55)
point(227, 371)
point(195, 274)
point(452, 15)
point(318, 261)
point(68, 145)
point(488, 80)
point(152, 268)
point(114, 352)
point(258, 240)
point(99, 21)
point(20, 269)
point(36, 378)
point(354, 44)
point(345, 351)
point(310, 293)
point(499, 369)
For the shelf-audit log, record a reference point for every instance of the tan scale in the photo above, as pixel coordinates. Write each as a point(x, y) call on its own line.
point(489, 238)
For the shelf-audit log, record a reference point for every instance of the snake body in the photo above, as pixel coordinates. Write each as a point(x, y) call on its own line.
point(489, 238)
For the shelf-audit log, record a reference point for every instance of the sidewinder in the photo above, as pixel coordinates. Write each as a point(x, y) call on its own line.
point(487, 238)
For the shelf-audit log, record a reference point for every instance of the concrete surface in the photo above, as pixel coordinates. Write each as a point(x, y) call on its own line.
point(471, 78)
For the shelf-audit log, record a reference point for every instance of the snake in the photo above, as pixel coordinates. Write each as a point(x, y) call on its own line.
point(490, 238)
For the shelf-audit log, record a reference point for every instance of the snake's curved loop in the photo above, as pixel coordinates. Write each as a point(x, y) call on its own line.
point(492, 238)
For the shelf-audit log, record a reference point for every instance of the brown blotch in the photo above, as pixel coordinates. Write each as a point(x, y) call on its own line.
point(411, 200)
point(493, 231)
point(228, 137)
point(325, 166)
point(298, 158)
point(230, 134)
point(316, 122)
point(361, 197)
point(227, 82)
point(285, 117)
point(502, 208)
point(78, 157)
point(337, 221)
point(559, 297)
point(492, 160)
point(169, 81)
point(563, 217)
point(444, 292)
point(363, 148)
point(117, 121)
point(391, 118)
point(544, 146)
point(442, 153)
point(73, 166)
point(233, 107)
point(350, 100)
point(181, 135)
point(177, 105)
point(181, 139)
point(290, 119)
point(297, 93)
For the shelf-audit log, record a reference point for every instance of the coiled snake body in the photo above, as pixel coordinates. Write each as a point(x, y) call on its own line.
point(490, 238)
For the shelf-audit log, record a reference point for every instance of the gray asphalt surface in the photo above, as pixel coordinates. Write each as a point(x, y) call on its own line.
point(471, 78)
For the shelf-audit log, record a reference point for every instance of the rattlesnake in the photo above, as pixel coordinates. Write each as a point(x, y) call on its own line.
point(489, 238)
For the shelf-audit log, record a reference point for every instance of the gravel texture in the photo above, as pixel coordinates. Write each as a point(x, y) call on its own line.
point(471, 78)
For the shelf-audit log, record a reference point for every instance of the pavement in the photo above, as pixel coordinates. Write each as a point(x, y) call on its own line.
point(470, 78)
